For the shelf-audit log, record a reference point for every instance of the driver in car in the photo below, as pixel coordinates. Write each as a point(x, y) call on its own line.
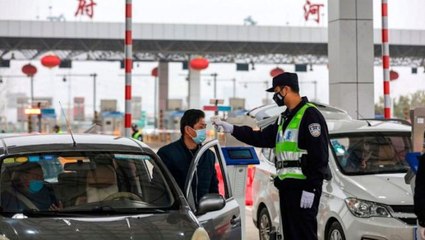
point(359, 153)
point(28, 190)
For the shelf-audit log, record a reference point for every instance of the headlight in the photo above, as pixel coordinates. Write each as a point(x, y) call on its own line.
point(366, 209)
point(200, 234)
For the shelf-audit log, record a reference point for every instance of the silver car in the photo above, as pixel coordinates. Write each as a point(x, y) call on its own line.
point(367, 197)
point(104, 187)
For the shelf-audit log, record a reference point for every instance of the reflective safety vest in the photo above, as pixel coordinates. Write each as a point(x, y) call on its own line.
point(288, 155)
point(137, 136)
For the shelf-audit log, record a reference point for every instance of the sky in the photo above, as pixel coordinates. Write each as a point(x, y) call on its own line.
point(223, 12)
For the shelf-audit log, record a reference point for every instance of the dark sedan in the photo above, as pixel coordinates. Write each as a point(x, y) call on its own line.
point(103, 187)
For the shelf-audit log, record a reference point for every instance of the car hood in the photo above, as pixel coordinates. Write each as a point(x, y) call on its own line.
point(383, 188)
point(147, 226)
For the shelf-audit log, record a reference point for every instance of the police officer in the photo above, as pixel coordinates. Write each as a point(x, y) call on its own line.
point(300, 138)
point(136, 133)
point(57, 129)
point(419, 197)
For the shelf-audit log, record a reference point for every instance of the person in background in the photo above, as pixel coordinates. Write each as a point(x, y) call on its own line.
point(136, 132)
point(57, 129)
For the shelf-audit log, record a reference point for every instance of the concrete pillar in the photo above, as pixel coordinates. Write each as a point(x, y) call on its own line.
point(194, 89)
point(163, 85)
point(351, 53)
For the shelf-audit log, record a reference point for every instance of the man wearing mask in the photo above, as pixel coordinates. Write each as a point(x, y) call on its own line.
point(178, 155)
point(300, 138)
point(29, 191)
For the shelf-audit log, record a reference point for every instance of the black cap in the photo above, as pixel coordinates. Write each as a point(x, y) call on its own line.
point(285, 79)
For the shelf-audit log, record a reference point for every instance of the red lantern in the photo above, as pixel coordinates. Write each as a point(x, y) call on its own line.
point(29, 70)
point(276, 71)
point(393, 75)
point(50, 61)
point(154, 72)
point(199, 63)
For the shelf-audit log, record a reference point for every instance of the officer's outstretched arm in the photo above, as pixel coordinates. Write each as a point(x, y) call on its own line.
point(264, 138)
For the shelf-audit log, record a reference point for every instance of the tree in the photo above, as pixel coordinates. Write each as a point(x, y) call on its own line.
point(402, 105)
point(418, 99)
point(379, 107)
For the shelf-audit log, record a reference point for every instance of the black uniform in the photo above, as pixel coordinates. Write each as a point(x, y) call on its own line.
point(420, 192)
point(297, 223)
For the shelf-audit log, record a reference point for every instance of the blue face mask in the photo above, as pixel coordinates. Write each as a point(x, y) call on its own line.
point(35, 186)
point(201, 135)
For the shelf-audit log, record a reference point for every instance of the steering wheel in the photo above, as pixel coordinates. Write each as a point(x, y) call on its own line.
point(118, 195)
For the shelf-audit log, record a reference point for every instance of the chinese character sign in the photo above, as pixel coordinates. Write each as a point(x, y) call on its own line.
point(313, 10)
point(85, 7)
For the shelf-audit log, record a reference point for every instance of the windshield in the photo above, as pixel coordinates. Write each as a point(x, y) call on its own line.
point(371, 153)
point(82, 182)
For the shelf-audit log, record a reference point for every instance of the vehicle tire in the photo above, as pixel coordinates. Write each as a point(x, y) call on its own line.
point(264, 224)
point(335, 232)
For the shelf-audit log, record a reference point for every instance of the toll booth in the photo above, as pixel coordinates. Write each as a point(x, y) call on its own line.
point(237, 161)
point(112, 123)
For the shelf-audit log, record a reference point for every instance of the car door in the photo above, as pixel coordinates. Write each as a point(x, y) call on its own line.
point(264, 186)
point(226, 222)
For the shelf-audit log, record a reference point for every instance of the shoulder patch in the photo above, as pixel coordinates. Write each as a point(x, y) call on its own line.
point(314, 129)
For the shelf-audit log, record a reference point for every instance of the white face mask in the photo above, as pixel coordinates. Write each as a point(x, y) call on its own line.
point(96, 194)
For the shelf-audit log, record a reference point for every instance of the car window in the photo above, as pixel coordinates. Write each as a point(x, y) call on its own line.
point(371, 153)
point(208, 177)
point(82, 181)
point(223, 187)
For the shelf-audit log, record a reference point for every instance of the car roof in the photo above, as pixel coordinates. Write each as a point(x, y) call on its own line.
point(21, 144)
point(268, 114)
point(365, 126)
point(338, 120)
point(272, 110)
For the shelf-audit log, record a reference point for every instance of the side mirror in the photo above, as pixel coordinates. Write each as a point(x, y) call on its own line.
point(210, 202)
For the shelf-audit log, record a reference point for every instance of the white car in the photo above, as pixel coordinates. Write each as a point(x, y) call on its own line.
point(367, 197)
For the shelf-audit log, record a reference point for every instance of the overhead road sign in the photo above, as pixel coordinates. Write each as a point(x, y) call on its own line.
point(210, 108)
point(32, 111)
point(224, 108)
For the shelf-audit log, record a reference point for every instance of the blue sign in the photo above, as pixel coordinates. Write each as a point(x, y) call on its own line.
point(112, 114)
point(48, 113)
point(224, 108)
